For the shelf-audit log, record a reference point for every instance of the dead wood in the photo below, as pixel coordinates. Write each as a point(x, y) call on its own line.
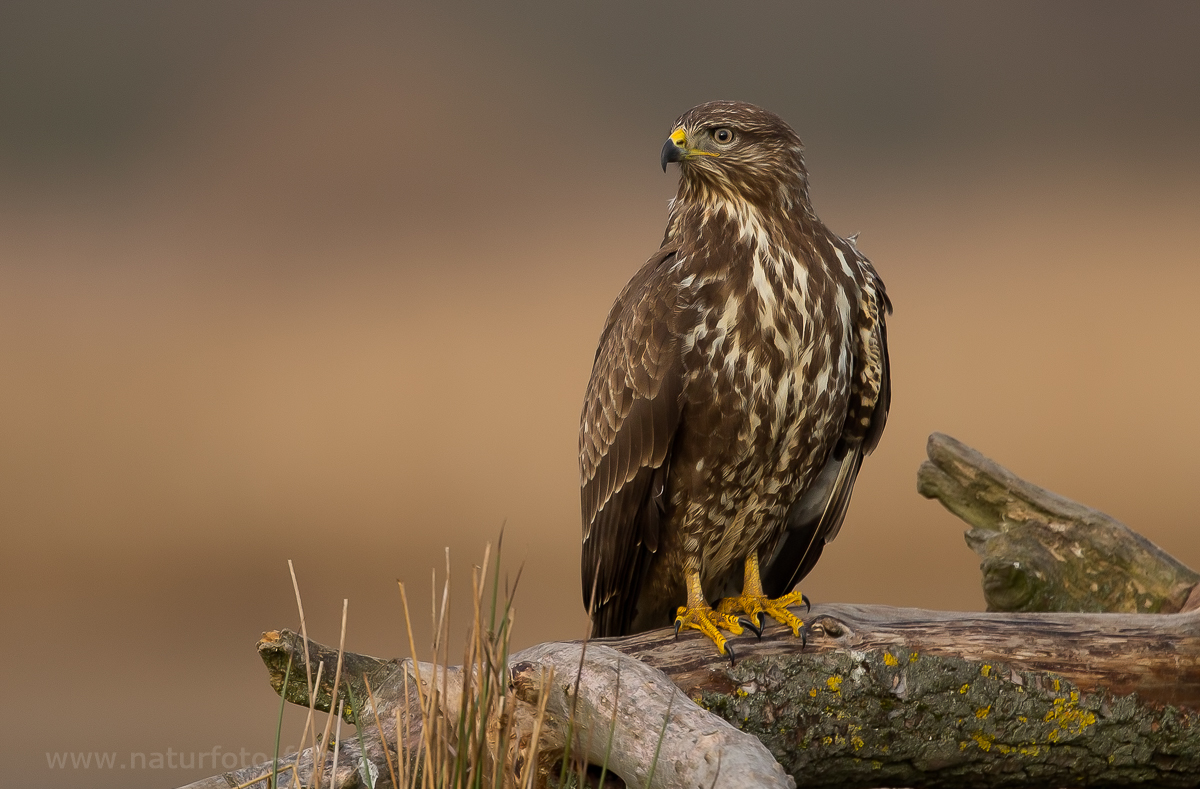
point(880, 696)
point(1043, 552)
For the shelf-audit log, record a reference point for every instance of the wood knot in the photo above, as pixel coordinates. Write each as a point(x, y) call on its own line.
point(525, 679)
point(1008, 585)
point(830, 627)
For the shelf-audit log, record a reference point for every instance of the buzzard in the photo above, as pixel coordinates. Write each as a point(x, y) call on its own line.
point(741, 377)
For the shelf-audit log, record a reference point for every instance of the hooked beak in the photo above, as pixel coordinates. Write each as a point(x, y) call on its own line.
point(674, 149)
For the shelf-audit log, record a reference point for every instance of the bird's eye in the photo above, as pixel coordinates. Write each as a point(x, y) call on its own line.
point(723, 136)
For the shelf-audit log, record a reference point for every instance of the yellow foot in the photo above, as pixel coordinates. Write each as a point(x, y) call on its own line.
point(707, 621)
point(754, 606)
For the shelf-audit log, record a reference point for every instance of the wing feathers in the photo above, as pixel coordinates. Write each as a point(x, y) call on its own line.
point(630, 416)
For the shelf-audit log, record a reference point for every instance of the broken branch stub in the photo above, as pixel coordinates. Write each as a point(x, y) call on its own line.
point(1043, 552)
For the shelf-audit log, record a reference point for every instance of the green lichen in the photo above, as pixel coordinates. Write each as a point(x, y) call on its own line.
point(828, 716)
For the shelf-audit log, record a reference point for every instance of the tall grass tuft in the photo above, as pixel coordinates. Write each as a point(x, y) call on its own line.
point(475, 733)
point(470, 742)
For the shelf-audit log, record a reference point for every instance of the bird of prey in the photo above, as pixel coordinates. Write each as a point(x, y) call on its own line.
point(740, 378)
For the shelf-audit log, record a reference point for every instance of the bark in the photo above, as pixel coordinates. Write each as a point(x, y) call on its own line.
point(879, 696)
point(906, 697)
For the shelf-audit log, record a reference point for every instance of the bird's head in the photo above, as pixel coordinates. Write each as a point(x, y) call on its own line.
point(735, 147)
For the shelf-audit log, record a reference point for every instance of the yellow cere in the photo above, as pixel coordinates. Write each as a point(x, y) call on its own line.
point(679, 138)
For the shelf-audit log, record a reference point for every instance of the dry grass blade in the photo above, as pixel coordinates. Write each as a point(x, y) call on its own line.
point(531, 763)
point(387, 754)
point(264, 776)
point(308, 722)
point(337, 679)
point(447, 751)
point(337, 746)
point(426, 755)
point(477, 730)
point(312, 709)
point(303, 627)
point(470, 738)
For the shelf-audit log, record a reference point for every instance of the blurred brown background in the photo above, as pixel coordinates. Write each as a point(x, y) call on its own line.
point(323, 282)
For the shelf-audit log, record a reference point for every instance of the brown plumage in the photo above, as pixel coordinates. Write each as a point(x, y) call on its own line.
point(741, 377)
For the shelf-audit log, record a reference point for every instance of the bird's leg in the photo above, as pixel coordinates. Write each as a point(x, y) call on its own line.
point(754, 603)
point(698, 614)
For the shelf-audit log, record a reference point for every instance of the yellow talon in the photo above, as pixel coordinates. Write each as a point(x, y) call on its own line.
point(753, 605)
point(699, 615)
point(707, 621)
point(753, 602)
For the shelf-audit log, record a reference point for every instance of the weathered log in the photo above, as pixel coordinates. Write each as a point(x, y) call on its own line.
point(1043, 552)
point(879, 696)
point(886, 696)
point(628, 715)
point(583, 699)
point(904, 697)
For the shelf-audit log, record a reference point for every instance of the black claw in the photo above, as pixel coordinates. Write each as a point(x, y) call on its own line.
point(803, 636)
point(755, 629)
point(807, 604)
point(729, 649)
point(678, 627)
